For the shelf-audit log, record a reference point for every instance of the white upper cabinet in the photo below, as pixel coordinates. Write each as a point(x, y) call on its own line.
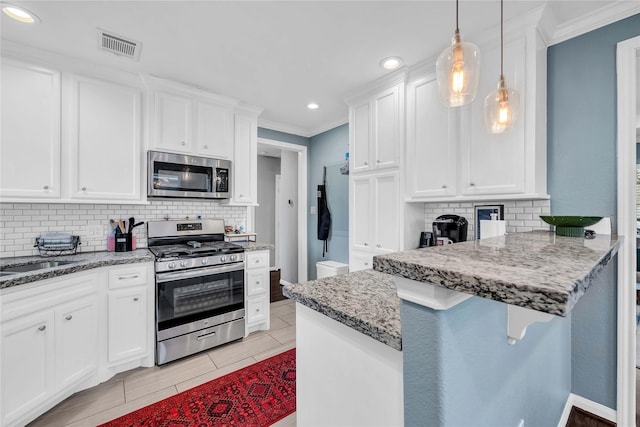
point(376, 123)
point(432, 149)
point(104, 138)
point(191, 121)
point(30, 132)
point(450, 154)
point(244, 169)
point(214, 133)
point(495, 163)
point(172, 123)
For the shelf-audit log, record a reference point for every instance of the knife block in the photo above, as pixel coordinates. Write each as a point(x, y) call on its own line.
point(123, 242)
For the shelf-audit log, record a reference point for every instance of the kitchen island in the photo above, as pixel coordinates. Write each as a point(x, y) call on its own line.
point(460, 365)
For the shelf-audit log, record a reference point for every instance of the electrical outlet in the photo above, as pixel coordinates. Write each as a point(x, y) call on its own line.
point(313, 210)
point(94, 230)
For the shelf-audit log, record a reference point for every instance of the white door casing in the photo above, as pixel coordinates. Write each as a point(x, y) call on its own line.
point(626, 60)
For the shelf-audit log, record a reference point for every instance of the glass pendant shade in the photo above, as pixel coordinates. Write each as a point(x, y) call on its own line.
point(501, 108)
point(457, 71)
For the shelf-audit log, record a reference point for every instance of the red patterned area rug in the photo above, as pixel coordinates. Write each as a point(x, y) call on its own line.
point(255, 396)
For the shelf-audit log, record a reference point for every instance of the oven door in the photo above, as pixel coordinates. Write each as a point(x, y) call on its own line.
point(185, 297)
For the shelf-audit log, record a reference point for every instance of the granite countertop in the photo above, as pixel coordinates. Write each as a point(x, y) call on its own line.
point(536, 270)
point(254, 246)
point(83, 261)
point(366, 301)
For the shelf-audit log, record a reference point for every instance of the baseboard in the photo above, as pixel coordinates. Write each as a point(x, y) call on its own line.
point(588, 405)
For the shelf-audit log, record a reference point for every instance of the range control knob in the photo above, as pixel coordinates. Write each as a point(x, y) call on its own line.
point(172, 265)
point(205, 261)
point(183, 263)
point(223, 258)
point(233, 257)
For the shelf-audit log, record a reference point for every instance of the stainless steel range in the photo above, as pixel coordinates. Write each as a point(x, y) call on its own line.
point(199, 287)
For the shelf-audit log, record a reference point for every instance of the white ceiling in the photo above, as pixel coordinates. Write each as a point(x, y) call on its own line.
point(276, 55)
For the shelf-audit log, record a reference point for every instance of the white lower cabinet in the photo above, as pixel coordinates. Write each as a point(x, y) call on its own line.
point(129, 308)
point(127, 327)
point(360, 261)
point(76, 338)
point(27, 364)
point(257, 280)
point(56, 334)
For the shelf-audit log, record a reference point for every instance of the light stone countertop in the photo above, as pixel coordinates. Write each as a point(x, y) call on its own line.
point(83, 261)
point(254, 246)
point(366, 301)
point(536, 270)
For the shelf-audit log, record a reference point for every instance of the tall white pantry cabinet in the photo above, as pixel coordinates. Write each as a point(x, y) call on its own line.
point(378, 219)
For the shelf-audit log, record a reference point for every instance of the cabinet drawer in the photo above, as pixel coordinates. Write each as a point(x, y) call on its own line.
point(128, 276)
point(257, 282)
point(361, 261)
point(257, 310)
point(257, 260)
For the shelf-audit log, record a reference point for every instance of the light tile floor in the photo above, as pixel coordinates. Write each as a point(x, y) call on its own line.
point(137, 388)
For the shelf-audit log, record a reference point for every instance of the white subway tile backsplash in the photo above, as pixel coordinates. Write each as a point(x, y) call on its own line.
point(21, 223)
point(520, 215)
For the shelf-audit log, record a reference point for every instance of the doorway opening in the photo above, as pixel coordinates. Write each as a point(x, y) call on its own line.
point(281, 217)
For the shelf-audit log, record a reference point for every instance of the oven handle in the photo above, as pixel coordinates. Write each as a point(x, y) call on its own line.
point(198, 272)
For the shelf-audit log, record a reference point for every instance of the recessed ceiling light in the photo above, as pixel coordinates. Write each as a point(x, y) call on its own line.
point(313, 106)
point(19, 13)
point(391, 63)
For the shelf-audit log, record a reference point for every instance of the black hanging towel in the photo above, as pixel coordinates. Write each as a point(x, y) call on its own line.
point(324, 216)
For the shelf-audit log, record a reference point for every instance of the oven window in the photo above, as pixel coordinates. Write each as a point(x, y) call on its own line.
point(172, 176)
point(186, 300)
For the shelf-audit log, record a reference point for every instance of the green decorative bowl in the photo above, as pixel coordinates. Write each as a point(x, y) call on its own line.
point(572, 226)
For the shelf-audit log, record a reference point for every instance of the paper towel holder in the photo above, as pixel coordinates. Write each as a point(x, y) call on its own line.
point(484, 212)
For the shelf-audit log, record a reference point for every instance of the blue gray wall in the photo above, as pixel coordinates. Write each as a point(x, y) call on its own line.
point(282, 136)
point(460, 371)
point(328, 149)
point(581, 171)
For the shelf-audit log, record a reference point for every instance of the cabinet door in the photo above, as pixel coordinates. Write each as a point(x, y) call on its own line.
point(214, 137)
point(106, 140)
point(387, 216)
point(27, 363)
point(173, 123)
point(245, 160)
point(360, 129)
point(361, 211)
point(431, 142)
point(386, 124)
point(76, 340)
point(128, 332)
point(30, 131)
point(495, 164)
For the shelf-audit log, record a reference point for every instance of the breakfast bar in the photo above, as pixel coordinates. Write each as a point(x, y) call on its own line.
point(486, 325)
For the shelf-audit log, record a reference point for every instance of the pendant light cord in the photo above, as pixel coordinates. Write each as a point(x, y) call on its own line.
point(501, 39)
point(457, 29)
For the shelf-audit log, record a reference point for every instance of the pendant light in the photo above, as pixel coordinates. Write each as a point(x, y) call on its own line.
point(457, 70)
point(501, 105)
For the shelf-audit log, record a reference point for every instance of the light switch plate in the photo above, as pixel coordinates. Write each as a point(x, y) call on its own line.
point(313, 210)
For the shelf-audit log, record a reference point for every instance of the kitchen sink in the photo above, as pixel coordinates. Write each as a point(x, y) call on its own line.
point(4, 271)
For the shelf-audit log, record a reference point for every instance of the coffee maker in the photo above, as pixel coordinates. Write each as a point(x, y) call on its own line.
point(453, 227)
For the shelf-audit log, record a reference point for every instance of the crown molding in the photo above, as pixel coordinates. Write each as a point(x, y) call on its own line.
point(594, 20)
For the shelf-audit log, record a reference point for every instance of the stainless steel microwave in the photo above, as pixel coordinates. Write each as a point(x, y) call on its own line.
point(182, 176)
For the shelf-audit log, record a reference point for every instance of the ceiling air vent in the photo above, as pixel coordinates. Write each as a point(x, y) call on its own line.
point(119, 45)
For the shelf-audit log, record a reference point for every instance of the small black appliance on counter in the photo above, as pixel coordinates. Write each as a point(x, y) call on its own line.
point(427, 239)
point(453, 227)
